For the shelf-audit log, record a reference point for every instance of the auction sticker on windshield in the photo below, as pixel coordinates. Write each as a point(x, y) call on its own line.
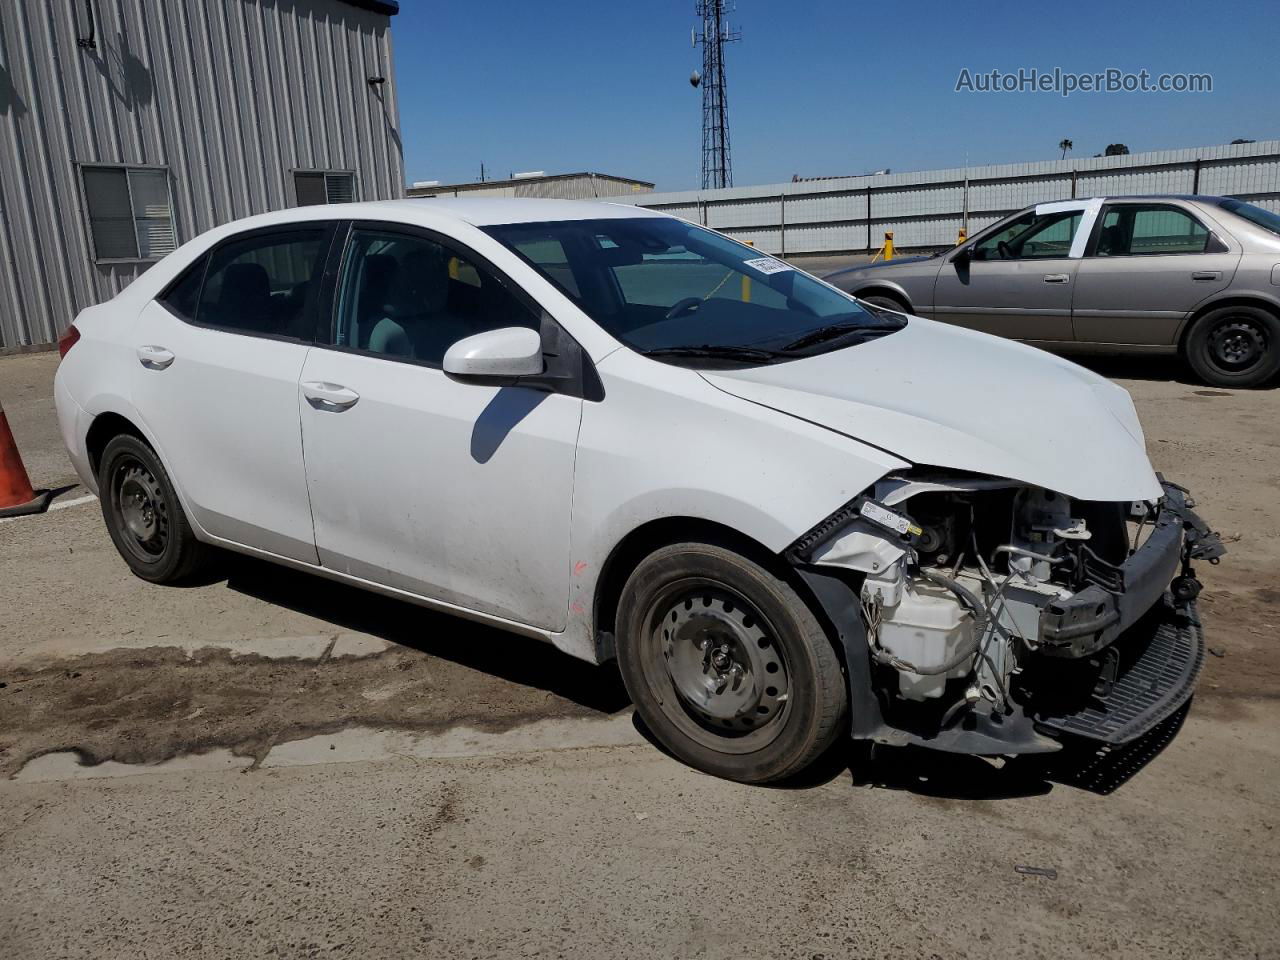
point(767, 265)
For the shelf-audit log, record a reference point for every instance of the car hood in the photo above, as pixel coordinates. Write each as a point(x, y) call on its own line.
point(948, 397)
point(878, 265)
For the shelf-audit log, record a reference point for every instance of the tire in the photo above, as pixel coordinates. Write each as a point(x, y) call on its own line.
point(884, 303)
point(143, 514)
point(1235, 346)
point(726, 664)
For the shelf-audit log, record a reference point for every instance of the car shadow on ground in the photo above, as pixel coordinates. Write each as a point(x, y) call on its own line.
point(523, 661)
point(951, 776)
point(1167, 369)
point(504, 655)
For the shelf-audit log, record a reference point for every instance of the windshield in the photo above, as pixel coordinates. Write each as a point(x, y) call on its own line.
point(683, 293)
point(1263, 218)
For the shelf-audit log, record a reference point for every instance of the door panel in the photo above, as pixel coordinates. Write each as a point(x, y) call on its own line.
point(219, 356)
point(1022, 299)
point(454, 491)
point(224, 413)
point(1140, 279)
point(1018, 278)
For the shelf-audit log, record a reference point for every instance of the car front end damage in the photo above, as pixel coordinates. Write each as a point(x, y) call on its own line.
point(991, 617)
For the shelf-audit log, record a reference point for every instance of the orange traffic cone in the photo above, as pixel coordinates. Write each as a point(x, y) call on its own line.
point(16, 496)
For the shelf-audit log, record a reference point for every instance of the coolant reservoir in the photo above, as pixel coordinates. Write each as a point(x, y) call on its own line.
point(926, 628)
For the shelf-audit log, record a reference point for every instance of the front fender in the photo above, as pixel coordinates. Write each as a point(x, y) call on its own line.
point(873, 285)
point(665, 443)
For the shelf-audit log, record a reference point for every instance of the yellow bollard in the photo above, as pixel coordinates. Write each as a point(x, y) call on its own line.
point(962, 236)
point(746, 280)
point(888, 244)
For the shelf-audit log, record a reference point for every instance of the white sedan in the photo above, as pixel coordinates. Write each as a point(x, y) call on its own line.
point(788, 514)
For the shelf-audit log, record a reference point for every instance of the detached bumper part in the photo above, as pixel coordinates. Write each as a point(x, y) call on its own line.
point(1158, 665)
point(1080, 625)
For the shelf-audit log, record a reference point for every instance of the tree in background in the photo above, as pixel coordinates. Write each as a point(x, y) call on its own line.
point(1064, 145)
point(1116, 150)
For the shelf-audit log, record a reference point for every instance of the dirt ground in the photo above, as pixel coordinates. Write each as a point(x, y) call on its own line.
point(265, 764)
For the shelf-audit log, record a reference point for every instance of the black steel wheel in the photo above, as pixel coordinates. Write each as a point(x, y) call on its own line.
point(726, 664)
point(1235, 346)
point(143, 515)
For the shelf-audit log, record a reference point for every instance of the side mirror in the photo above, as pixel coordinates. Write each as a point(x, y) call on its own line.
point(962, 256)
point(496, 355)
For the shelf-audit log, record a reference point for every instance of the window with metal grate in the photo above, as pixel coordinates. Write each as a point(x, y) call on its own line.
point(323, 186)
point(130, 212)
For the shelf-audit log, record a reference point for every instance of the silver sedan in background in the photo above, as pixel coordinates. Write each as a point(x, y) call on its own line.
point(1197, 276)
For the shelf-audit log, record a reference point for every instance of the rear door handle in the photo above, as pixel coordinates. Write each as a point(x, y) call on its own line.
point(1207, 275)
point(153, 357)
point(1056, 277)
point(329, 396)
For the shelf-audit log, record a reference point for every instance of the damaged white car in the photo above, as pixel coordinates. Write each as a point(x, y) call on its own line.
point(790, 516)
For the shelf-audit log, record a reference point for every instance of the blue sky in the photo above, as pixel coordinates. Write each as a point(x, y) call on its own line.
point(818, 88)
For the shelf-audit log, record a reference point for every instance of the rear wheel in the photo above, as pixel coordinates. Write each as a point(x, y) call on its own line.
point(1235, 346)
point(726, 664)
point(144, 518)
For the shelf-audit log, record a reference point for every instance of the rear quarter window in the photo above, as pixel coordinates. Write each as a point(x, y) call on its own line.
point(183, 294)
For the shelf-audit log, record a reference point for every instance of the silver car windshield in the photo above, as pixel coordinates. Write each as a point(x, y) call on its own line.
point(675, 290)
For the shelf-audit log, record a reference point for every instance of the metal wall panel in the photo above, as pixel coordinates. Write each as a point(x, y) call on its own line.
point(826, 207)
point(925, 209)
point(743, 213)
point(230, 96)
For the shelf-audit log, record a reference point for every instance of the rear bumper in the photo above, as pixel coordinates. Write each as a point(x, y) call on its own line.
point(73, 424)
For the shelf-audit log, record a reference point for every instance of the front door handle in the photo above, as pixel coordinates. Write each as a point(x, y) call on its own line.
point(1056, 277)
point(153, 357)
point(1207, 275)
point(329, 396)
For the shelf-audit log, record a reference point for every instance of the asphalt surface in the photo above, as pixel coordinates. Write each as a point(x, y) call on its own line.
point(268, 765)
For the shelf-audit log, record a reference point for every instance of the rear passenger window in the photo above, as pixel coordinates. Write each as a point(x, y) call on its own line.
point(264, 284)
point(412, 298)
point(1135, 231)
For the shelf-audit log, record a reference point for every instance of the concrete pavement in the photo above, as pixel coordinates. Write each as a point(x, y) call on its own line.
point(282, 767)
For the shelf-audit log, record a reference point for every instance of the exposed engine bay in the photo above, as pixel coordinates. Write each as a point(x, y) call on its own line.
point(997, 617)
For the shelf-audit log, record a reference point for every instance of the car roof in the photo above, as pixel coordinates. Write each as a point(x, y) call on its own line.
point(429, 211)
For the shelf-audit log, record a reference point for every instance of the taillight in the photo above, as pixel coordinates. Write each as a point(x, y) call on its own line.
point(70, 337)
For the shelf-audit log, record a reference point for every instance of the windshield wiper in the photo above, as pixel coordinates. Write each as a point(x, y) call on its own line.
point(838, 331)
point(718, 352)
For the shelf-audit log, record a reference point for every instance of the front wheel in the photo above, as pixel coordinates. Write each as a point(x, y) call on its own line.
point(1236, 346)
point(727, 665)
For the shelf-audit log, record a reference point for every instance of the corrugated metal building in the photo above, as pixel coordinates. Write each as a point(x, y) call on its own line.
point(128, 127)
point(556, 186)
point(925, 210)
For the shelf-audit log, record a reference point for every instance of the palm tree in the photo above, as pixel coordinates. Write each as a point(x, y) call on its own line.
point(1064, 145)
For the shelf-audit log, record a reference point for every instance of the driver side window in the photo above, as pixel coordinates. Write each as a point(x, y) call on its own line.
point(1032, 236)
point(412, 298)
